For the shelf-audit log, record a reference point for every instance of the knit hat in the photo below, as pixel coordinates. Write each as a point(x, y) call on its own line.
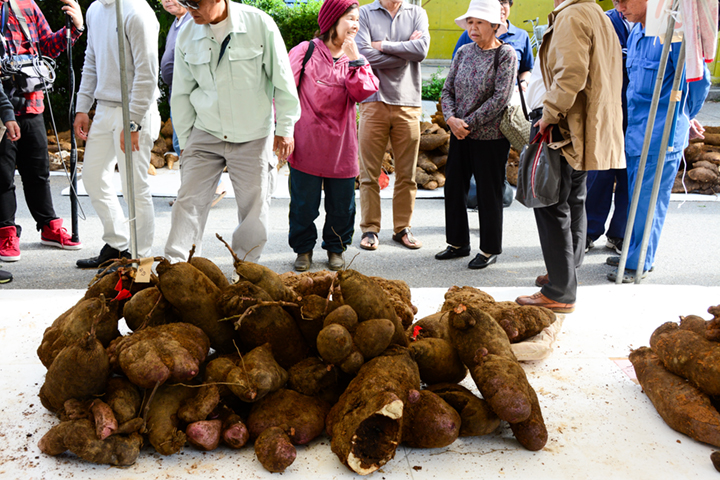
point(331, 11)
point(488, 10)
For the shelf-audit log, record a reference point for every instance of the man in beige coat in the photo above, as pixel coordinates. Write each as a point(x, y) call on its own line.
point(581, 64)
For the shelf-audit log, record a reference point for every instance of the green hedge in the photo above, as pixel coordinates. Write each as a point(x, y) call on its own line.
point(296, 23)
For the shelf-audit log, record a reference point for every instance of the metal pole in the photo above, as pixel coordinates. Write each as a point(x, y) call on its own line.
point(73, 143)
point(646, 144)
point(669, 127)
point(129, 176)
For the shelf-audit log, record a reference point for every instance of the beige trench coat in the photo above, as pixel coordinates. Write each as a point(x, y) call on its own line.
point(581, 64)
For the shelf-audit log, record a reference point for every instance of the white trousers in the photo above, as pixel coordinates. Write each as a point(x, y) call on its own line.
point(250, 168)
point(102, 152)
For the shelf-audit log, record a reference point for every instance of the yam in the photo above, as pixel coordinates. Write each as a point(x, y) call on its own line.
point(217, 370)
point(425, 163)
point(681, 405)
point(79, 371)
point(440, 160)
point(438, 361)
point(304, 415)
point(400, 297)
point(464, 295)
point(310, 317)
point(532, 432)
point(314, 378)
point(240, 296)
point(433, 141)
point(687, 354)
point(274, 450)
point(369, 301)
point(703, 175)
point(211, 271)
point(195, 297)
point(366, 423)
point(79, 437)
point(421, 177)
point(257, 375)
point(372, 337)
point(353, 362)
point(309, 283)
point(477, 418)
point(474, 334)
point(155, 355)
point(439, 178)
point(520, 322)
point(234, 432)
point(149, 308)
point(75, 324)
point(162, 421)
point(198, 408)
point(204, 434)
point(715, 459)
point(343, 315)
point(432, 326)
point(503, 384)
point(430, 422)
point(105, 422)
point(334, 343)
point(430, 185)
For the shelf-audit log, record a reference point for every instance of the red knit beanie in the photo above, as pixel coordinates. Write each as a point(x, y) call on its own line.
point(331, 11)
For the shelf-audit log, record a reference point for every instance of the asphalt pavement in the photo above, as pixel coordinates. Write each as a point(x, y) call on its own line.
point(687, 255)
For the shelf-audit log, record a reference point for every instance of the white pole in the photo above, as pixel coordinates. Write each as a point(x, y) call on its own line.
point(129, 176)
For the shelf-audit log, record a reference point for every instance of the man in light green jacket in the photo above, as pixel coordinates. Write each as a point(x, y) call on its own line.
point(230, 66)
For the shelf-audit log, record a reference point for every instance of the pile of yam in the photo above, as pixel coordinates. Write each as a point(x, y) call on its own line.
point(680, 374)
point(278, 361)
point(699, 173)
point(162, 153)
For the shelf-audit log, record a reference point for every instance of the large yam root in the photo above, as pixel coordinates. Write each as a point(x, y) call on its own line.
point(474, 334)
point(366, 423)
point(79, 437)
point(79, 371)
point(148, 308)
point(477, 418)
point(687, 354)
point(74, 324)
point(400, 297)
point(211, 271)
point(520, 322)
point(157, 354)
point(162, 420)
point(195, 297)
point(274, 450)
point(430, 422)
point(437, 361)
point(256, 375)
point(503, 384)
point(303, 414)
point(681, 405)
point(369, 301)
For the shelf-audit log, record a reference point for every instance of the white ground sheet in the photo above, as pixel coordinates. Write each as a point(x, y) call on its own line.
point(601, 425)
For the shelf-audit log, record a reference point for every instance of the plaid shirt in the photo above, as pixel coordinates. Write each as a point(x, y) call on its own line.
point(52, 44)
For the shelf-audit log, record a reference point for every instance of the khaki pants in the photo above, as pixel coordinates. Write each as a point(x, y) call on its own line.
point(401, 125)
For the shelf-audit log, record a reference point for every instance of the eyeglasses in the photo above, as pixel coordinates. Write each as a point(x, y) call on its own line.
point(192, 5)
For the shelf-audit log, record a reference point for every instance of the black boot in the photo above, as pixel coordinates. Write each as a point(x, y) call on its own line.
point(107, 253)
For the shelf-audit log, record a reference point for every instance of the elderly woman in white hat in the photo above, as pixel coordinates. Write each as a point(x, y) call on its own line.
point(477, 90)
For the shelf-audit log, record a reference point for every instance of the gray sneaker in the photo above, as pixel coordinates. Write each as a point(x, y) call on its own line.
point(303, 261)
point(5, 276)
point(614, 243)
point(335, 261)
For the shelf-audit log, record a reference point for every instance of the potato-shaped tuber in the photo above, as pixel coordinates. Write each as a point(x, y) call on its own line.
point(256, 375)
point(303, 414)
point(204, 434)
point(334, 343)
point(476, 415)
point(274, 450)
point(372, 337)
point(430, 422)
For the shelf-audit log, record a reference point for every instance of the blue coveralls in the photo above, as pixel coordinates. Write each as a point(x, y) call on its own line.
point(602, 185)
point(643, 61)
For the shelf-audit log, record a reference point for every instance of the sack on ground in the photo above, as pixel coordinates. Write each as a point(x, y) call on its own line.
point(539, 173)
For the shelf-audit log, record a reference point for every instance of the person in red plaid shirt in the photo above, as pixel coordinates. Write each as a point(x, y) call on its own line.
point(28, 151)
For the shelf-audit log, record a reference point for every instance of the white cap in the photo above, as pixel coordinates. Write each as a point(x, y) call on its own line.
point(488, 10)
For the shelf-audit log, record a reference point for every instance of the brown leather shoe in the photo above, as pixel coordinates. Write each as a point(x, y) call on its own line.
point(542, 280)
point(540, 300)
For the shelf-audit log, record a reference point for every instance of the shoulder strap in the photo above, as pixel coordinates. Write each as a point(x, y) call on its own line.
point(308, 54)
point(23, 23)
point(496, 62)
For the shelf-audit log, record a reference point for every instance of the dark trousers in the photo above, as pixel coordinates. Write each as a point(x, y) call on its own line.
point(305, 193)
point(485, 159)
point(602, 186)
point(30, 156)
point(562, 228)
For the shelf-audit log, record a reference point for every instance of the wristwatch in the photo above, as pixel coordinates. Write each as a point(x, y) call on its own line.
point(134, 127)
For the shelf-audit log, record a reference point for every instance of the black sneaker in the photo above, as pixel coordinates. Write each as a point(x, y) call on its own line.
point(614, 243)
point(107, 253)
point(5, 277)
point(589, 243)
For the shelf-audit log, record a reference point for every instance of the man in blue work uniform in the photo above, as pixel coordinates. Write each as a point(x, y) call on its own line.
point(643, 61)
point(520, 41)
point(603, 184)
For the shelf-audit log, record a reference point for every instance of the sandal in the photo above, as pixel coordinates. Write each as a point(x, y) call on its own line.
point(372, 243)
point(411, 243)
point(628, 276)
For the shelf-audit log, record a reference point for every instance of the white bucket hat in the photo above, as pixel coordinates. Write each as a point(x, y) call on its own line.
point(488, 10)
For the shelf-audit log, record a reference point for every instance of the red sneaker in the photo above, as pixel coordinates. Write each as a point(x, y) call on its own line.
point(9, 244)
point(54, 235)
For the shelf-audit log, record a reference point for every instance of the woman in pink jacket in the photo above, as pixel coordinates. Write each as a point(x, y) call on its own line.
point(331, 77)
